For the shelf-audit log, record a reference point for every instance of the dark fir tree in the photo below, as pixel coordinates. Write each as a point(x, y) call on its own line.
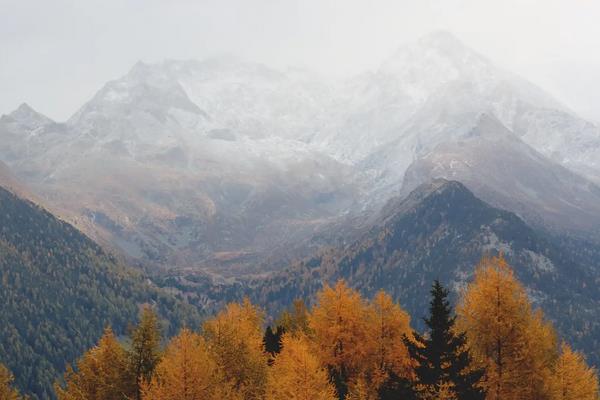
point(396, 388)
point(272, 342)
point(144, 354)
point(443, 362)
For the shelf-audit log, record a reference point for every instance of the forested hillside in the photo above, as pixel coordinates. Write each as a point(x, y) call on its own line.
point(496, 346)
point(59, 291)
point(439, 232)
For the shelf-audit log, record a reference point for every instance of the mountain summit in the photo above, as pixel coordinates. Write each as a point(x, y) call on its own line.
point(197, 162)
point(27, 117)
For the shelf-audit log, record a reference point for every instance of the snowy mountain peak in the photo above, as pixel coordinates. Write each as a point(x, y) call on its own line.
point(486, 124)
point(440, 51)
point(28, 117)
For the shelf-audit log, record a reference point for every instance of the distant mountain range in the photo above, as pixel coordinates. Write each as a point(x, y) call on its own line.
point(215, 164)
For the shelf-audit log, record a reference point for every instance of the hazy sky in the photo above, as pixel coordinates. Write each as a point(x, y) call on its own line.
point(55, 54)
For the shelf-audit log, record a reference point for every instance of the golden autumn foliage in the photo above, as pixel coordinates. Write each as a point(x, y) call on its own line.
point(572, 379)
point(297, 373)
point(361, 341)
point(188, 372)
point(443, 392)
point(7, 392)
point(387, 324)
point(360, 389)
point(515, 344)
point(348, 348)
point(339, 326)
point(144, 353)
point(295, 320)
point(235, 337)
point(102, 373)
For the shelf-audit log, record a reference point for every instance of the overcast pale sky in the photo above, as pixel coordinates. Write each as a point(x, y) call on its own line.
point(56, 54)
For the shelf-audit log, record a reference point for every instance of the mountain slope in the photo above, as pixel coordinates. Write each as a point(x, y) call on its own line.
point(502, 170)
point(215, 164)
point(421, 95)
point(59, 291)
point(9, 182)
point(143, 170)
point(440, 232)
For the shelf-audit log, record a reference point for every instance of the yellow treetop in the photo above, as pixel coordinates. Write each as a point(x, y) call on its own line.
point(187, 372)
point(235, 337)
point(297, 373)
point(102, 373)
point(339, 326)
point(387, 324)
point(572, 378)
point(516, 345)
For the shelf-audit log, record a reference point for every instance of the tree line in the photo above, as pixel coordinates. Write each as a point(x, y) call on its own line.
point(496, 346)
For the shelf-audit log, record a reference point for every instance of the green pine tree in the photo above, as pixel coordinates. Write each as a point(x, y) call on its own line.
point(272, 342)
point(396, 387)
point(145, 354)
point(443, 362)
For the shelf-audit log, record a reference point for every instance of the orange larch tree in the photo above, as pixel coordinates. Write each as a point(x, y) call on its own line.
point(387, 325)
point(188, 372)
point(515, 344)
point(295, 320)
point(297, 373)
point(235, 338)
point(102, 373)
point(339, 326)
point(572, 378)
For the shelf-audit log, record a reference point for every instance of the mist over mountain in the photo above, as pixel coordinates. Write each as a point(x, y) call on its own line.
point(215, 163)
point(221, 178)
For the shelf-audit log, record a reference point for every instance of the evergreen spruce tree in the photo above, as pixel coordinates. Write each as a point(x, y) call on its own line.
point(396, 387)
point(144, 354)
point(272, 340)
point(442, 361)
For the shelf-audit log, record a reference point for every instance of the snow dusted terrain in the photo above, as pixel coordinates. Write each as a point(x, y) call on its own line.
point(213, 163)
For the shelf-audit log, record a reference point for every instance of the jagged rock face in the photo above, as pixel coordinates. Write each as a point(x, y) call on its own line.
point(190, 162)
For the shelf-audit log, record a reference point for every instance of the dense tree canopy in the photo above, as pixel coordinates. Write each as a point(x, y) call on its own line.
point(345, 347)
point(59, 291)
